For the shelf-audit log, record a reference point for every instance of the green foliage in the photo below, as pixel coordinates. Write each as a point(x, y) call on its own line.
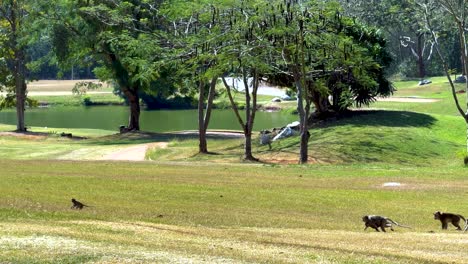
point(9, 101)
point(87, 100)
point(80, 88)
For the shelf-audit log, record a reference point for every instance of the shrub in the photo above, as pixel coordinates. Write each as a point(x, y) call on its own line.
point(86, 100)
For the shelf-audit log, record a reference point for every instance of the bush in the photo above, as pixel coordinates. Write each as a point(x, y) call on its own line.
point(86, 100)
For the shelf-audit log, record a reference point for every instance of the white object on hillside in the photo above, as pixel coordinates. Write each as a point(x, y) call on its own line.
point(392, 184)
point(294, 124)
point(286, 132)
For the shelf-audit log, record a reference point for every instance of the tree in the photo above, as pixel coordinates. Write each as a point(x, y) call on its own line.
point(196, 36)
point(323, 53)
point(402, 25)
point(247, 55)
point(120, 35)
point(458, 12)
point(13, 25)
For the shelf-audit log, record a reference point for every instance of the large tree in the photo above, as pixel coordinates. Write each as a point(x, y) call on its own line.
point(323, 54)
point(14, 31)
point(220, 38)
point(122, 36)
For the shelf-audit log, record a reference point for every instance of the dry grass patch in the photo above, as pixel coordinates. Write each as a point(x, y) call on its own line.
point(148, 243)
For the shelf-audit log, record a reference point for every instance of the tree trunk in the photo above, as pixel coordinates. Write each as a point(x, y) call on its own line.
point(304, 147)
point(421, 68)
point(19, 72)
point(20, 106)
point(250, 109)
point(202, 145)
point(303, 151)
point(204, 117)
point(250, 115)
point(321, 102)
point(20, 89)
point(134, 102)
point(300, 82)
point(248, 146)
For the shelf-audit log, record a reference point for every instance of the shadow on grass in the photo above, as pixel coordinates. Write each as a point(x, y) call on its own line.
point(140, 137)
point(382, 118)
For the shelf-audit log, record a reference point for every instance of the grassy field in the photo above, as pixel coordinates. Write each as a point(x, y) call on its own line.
point(214, 213)
point(181, 207)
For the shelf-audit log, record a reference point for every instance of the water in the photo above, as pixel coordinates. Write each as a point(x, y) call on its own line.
point(111, 117)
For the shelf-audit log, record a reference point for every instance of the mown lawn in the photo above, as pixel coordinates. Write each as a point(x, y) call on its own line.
point(182, 207)
point(241, 213)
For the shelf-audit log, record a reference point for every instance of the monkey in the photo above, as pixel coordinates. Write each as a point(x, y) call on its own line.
point(78, 205)
point(446, 218)
point(376, 221)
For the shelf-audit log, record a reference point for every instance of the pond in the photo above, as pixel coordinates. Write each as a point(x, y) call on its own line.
point(111, 117)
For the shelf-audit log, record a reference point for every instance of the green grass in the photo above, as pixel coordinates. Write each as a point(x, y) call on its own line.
point(396, 138)
point(75, 100)
point(439, 89)
point(246, 211)
point(186, 207)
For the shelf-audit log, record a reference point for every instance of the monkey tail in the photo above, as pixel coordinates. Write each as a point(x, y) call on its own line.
point(397, 224)
point(461, 216)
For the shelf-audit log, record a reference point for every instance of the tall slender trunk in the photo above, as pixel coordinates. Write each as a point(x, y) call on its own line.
point(250, 110)
point(20, 88)
point(303, 151)
point(205, 116)
point(19, 72)
point(297, 67)
point(421, 68)
point(250, 113)
point(202, 145)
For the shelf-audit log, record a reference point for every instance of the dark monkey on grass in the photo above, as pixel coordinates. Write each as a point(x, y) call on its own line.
point(446, 218)
point(377, 221)
point(78, 205)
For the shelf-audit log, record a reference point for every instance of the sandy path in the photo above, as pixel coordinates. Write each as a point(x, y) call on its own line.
point(63, 93)
point(133, 153)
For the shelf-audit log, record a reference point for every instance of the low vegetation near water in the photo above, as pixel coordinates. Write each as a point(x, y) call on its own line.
point(182, 207)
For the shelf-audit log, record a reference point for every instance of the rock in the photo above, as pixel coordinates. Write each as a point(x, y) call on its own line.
point(460, 79)
point(68, 135)
point(424, 82)
point(287, 98)
point(123, 129)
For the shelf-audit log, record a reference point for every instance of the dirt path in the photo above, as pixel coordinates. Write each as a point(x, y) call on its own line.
point(134, 153)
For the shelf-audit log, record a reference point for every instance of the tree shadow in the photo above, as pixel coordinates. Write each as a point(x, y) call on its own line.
point(387, 118)
point(141, 137)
